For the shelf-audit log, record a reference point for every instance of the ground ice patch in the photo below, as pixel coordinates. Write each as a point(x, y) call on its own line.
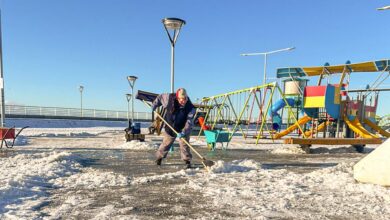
point(174, 175)
point(137, 145)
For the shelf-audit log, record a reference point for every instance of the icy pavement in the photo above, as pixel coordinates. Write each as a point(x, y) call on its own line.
point(94, 174)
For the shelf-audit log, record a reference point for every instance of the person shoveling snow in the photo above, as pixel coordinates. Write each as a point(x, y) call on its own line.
point(179, 113)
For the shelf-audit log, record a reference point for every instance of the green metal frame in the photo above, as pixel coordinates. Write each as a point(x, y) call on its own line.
point(226, 98)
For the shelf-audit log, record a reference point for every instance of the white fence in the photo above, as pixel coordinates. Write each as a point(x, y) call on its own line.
point(58, 112)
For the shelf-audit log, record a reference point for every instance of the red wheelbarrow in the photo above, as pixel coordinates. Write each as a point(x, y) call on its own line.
point(9, 133)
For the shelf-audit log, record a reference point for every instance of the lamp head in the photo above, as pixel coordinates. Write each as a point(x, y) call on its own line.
point(132, 78)
point(173, 23)
point(128, 97)
point(384, 8)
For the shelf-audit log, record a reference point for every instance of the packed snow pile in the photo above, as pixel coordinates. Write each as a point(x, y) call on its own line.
point(25, 180)
point(329, 149)
point(280, 193)
point(291, 149)
point(234, 166)
point(92, 179)
point(19, 141)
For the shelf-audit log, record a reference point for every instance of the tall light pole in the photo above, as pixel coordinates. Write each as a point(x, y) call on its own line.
point(128, 97)
point(265, 58)
point(384, 8)
point(2, 107)
point(175, 25)
point(132, 80)
point(81, 88)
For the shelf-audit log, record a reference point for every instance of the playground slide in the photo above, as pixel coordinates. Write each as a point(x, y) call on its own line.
point(305, 119)
point(280, 104)
point(276, 119)
point(358, 128)
point(376, 128)
point(320, 128)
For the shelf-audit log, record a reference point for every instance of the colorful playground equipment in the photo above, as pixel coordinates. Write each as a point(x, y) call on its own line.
point(326, 113)
point(327, 109)
point(305, 119)
point(358, 128)
point(320, 128)
point(376, 128)
point(331, 107)
point(247, 111)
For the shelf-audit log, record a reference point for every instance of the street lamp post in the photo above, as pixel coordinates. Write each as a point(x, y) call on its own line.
point(174, 24)
point(128, 97)
point(81, 88)
point(132, 80)
point(265, 58)
point(384, 8)
point(2, 110)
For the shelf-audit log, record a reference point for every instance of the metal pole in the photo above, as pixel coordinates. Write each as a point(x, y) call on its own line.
point(2, 80)
point(81, 103)
point(128, 110)
point(172, 68)
point(265, 69)
point(132, 103)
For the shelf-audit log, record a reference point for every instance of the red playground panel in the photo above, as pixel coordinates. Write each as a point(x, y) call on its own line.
point(7, 133)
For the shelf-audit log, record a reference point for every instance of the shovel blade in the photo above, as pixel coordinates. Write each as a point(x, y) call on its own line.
point(208, 163)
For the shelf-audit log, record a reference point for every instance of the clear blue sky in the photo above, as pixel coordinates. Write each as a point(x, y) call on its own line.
point(50, 47)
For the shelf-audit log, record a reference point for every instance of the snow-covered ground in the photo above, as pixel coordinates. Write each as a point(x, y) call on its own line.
point(43, 176)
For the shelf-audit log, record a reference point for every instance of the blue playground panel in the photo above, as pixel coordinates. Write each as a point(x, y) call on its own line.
point(216, 136)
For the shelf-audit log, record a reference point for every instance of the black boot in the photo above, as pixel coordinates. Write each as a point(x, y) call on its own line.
point(188, 164)
point(158, 161)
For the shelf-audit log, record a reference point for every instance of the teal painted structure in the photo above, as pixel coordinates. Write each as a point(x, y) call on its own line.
point(216, 136)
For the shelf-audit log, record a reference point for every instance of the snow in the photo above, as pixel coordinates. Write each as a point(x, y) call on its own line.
point(28, 180)
point(288, 150)
point(137, 145)
point(235, 166)
point(25, 179)
point(277, 193)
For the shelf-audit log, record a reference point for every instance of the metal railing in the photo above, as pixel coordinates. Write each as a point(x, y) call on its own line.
point(19, 111)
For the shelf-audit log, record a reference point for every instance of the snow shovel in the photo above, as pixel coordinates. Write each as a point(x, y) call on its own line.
point(205, 162)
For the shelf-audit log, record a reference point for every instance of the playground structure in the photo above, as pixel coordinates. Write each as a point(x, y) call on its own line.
point(331, 107)
point(247, 111)
point(308, 111)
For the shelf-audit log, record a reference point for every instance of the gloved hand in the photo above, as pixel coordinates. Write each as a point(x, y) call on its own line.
point(181, 135)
